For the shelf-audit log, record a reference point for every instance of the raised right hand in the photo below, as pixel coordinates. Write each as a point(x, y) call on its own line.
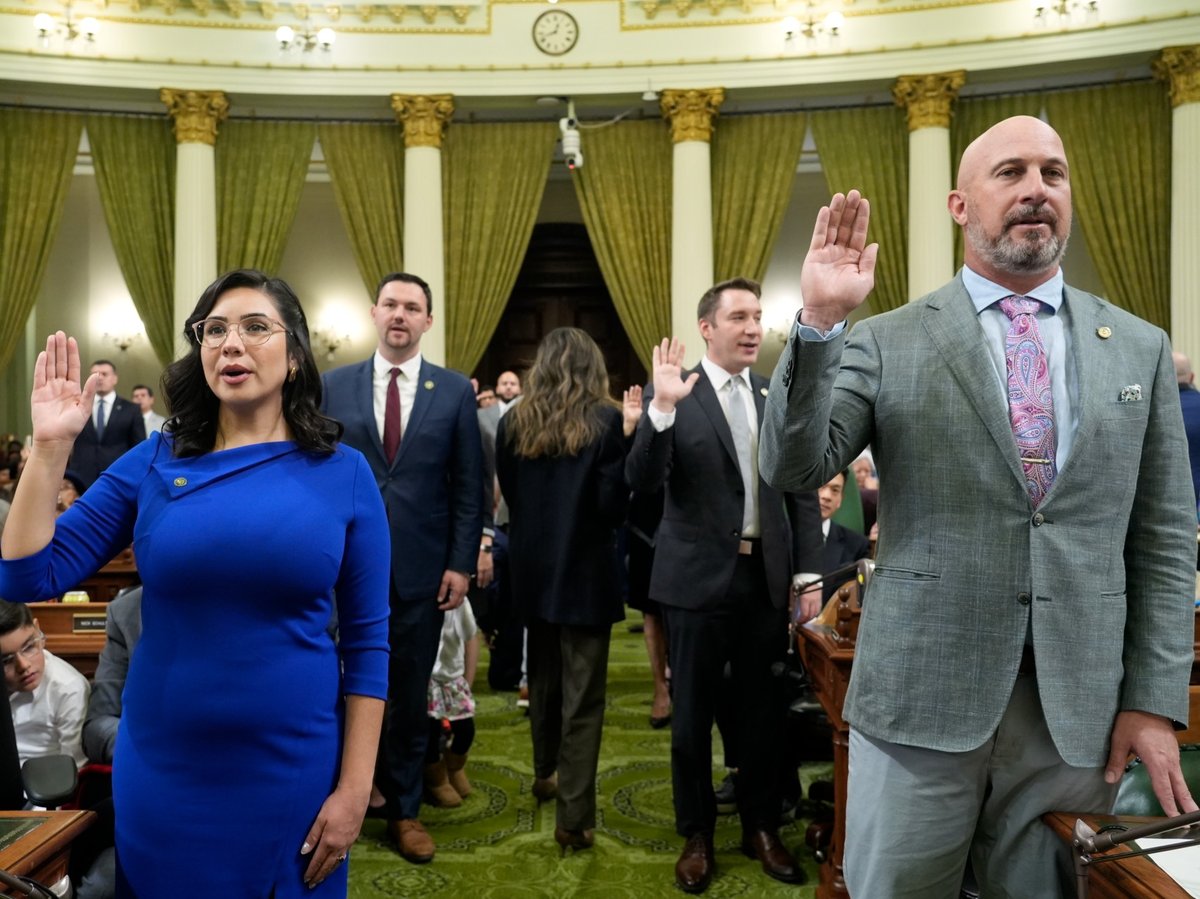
point(60, 405)
point(667, 367)
point(839, 269)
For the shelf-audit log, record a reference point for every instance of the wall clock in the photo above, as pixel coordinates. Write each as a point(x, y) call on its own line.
point(555, 32)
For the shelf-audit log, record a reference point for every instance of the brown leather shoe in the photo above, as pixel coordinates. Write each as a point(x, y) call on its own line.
point(694, 870)
point(776, 861)
point(412, 840)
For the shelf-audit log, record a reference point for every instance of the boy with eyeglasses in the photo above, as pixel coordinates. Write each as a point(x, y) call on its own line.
point(48, 697)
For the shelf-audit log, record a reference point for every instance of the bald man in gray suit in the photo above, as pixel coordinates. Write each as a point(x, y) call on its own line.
point(1029, 624)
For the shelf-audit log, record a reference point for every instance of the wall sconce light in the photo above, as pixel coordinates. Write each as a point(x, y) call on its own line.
point(328, 342)
point(811, 27)
point(306, 39)
point(68, 27)
point(1066, 9)
point(123, 340)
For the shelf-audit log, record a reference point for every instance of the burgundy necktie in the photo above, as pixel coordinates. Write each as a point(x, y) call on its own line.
point(1030, 401)
point(391, 419)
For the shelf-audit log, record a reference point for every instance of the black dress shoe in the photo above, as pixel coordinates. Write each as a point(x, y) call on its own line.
point(694, 870)
point(776, 861)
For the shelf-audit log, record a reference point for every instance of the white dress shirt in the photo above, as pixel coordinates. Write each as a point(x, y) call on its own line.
point(49, 719)
point(406, 383)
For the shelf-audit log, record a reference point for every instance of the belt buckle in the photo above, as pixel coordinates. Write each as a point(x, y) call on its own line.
point(745, 548)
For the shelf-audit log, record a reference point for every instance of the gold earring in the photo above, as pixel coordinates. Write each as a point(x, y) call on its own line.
point(292, 374)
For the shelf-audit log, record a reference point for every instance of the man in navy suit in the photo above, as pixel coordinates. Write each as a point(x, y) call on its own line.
point(115, 426)
point(416, 425)
point(1189, 399)
point(726, 552)
point(842, 545)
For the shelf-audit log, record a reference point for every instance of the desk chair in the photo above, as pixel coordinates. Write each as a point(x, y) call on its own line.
point(1136, 797)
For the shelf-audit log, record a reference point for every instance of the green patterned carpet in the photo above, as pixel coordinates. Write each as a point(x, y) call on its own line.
point(500, 843)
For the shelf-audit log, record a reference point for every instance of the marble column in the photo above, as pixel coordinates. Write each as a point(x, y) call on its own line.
point(425, 119)
point(1180, 68)
point(691, 114)
point(196, 115)
point(928, 100)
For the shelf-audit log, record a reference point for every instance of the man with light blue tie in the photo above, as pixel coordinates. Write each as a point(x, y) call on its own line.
point(1029, 624)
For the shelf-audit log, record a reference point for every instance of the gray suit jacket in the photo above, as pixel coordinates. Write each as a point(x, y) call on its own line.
point(122, 630)
point(1101, 574)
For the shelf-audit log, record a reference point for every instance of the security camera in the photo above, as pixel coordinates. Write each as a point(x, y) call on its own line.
point(572, 152)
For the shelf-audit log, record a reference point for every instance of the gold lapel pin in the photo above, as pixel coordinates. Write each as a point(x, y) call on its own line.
point(1104, 332)
point(429, 385)
point(181, 482)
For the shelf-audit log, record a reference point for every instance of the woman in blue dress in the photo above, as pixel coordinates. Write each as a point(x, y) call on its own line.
point(247, 741)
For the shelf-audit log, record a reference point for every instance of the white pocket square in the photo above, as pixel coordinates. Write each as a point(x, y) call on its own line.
point(1130, 394)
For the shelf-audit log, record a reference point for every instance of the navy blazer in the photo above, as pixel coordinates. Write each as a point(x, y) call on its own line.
point(434, 490)
point(842, 547)
point(696, 547)
point(124, 430)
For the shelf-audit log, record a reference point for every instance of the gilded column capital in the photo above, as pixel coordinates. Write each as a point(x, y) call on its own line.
point(929, 99)
point(691, 112)
point(196, 114)
point(424, 117)
point(1180, 68)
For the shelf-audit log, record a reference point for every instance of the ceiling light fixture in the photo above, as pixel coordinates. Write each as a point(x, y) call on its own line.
point(68, 28)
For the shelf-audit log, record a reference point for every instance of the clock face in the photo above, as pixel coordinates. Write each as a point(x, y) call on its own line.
point(555, 32)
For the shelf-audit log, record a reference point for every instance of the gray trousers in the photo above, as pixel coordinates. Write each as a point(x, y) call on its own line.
point(567, 669)
point(914, 816)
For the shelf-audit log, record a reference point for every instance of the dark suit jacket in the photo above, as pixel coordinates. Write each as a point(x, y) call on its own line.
point(1189, 400)
point(122, 630)
point(434, 490)
point(124, 430)
point(563, 516)
point(696, 547)
point(842, 547)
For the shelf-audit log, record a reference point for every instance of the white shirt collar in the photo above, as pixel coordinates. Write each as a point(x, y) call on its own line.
point(985, 293)
point(411, 368)
point(719, 377)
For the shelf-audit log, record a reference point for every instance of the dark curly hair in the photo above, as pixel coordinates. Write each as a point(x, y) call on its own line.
point(193, 405)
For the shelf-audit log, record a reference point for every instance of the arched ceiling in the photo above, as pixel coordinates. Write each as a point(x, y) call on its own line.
point(482, 52)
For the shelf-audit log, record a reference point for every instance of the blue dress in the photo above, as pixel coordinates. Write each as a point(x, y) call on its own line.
point(231, 731)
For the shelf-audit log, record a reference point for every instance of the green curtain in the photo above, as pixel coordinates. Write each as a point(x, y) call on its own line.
point(37, 156)
point(1121, 188)
point(624, 189)
point(754, 161)
point(972, 117)
point(867, 148)
point(261, 168)
point(366, 166)
point(494, 177)
point(134, 158)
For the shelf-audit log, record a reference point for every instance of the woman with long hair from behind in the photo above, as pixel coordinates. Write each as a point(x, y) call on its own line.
point(560, 457)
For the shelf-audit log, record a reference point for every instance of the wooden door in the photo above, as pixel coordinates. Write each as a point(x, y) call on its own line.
point(559, 285)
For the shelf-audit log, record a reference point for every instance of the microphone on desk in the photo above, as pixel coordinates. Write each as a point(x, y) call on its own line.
point(1087, 843)
point(23, 886)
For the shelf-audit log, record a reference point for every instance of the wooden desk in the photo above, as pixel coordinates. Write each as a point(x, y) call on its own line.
point(105, 584)
point(1129, 878)
point(827, 652)
point(74, 631)
point(44, 850)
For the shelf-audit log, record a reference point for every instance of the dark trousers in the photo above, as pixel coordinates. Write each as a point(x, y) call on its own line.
point(414, 632)
point(568, 667)
point(749, 634)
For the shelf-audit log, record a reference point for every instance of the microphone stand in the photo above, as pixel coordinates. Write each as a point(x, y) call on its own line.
point(864, 567)
point(1087, 843)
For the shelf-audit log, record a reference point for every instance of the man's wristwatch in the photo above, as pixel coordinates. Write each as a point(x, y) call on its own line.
point(485, 548)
